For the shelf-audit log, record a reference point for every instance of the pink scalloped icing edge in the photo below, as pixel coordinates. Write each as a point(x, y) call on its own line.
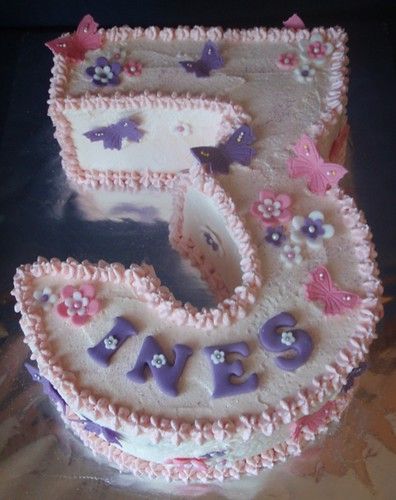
point(218, 472)
point(323, 386)
point(187, 248)
point(335, 101)
point(134, 180)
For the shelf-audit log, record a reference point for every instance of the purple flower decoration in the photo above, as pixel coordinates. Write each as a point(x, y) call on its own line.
point(108, 434)
point(48, 388)
point(275, 235)
point(104, 72)
point(312, 228)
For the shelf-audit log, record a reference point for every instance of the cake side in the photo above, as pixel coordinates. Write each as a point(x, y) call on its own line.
point(211, 466)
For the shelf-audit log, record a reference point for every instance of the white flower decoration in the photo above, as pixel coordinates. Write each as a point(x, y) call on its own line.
point(183, 129)
point(77, 304)
point(315, 49)
point(158, 360)
point(45, 297)
point(104, 74)
point(291, 255)
point(270, 208)
point(304, 73)
point(311, 230)
point(288, 338)
point(217, 357)
point(120, 55)
point(111, 343)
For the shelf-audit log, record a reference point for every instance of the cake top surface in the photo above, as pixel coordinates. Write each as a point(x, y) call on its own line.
point(287, 252)
point(268, 78)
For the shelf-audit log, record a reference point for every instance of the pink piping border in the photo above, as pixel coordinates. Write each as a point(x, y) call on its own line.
point(232, 117)
point(335, 100)
point(186, 248)
point(252, 465)
point(289, 409)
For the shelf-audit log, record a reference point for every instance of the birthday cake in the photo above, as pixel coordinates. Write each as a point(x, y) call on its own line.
point(237, 139)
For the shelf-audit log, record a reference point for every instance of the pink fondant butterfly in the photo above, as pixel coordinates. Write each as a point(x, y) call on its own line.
point(294, 22)
point(76, 45)
point(308, 163)
point(313, 421)
point(321, 288)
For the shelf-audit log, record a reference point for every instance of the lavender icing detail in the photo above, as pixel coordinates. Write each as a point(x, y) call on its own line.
point(109, 345)
point(271, 340)
point(145, 214)
point(108, 434)
point(354, 373)
point(166, 376)
point(223, 370)
point(210, 241)
point(213, 454)
point(48, 388)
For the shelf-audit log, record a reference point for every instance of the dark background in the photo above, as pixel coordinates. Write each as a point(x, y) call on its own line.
point(230, 13)
point(37, 213)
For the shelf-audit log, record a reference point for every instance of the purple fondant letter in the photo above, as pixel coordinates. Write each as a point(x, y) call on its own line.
point(165, 375)
point(110, 344)
point(297, 340)
point(223, 370)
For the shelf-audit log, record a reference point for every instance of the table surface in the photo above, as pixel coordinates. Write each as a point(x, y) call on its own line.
point(39, 216)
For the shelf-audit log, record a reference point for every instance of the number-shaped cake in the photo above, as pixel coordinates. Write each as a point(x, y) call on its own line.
point(237, 139)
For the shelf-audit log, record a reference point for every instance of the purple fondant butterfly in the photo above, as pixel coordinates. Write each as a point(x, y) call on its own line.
point(113, 134)
point(210, 59)
point(236, 149)
point(48, 388)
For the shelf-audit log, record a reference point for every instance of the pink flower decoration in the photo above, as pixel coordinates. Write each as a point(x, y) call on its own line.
point(79, 304)
point(316, 49)
point(133, 68)
point(272, 208)
point(288, 60)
